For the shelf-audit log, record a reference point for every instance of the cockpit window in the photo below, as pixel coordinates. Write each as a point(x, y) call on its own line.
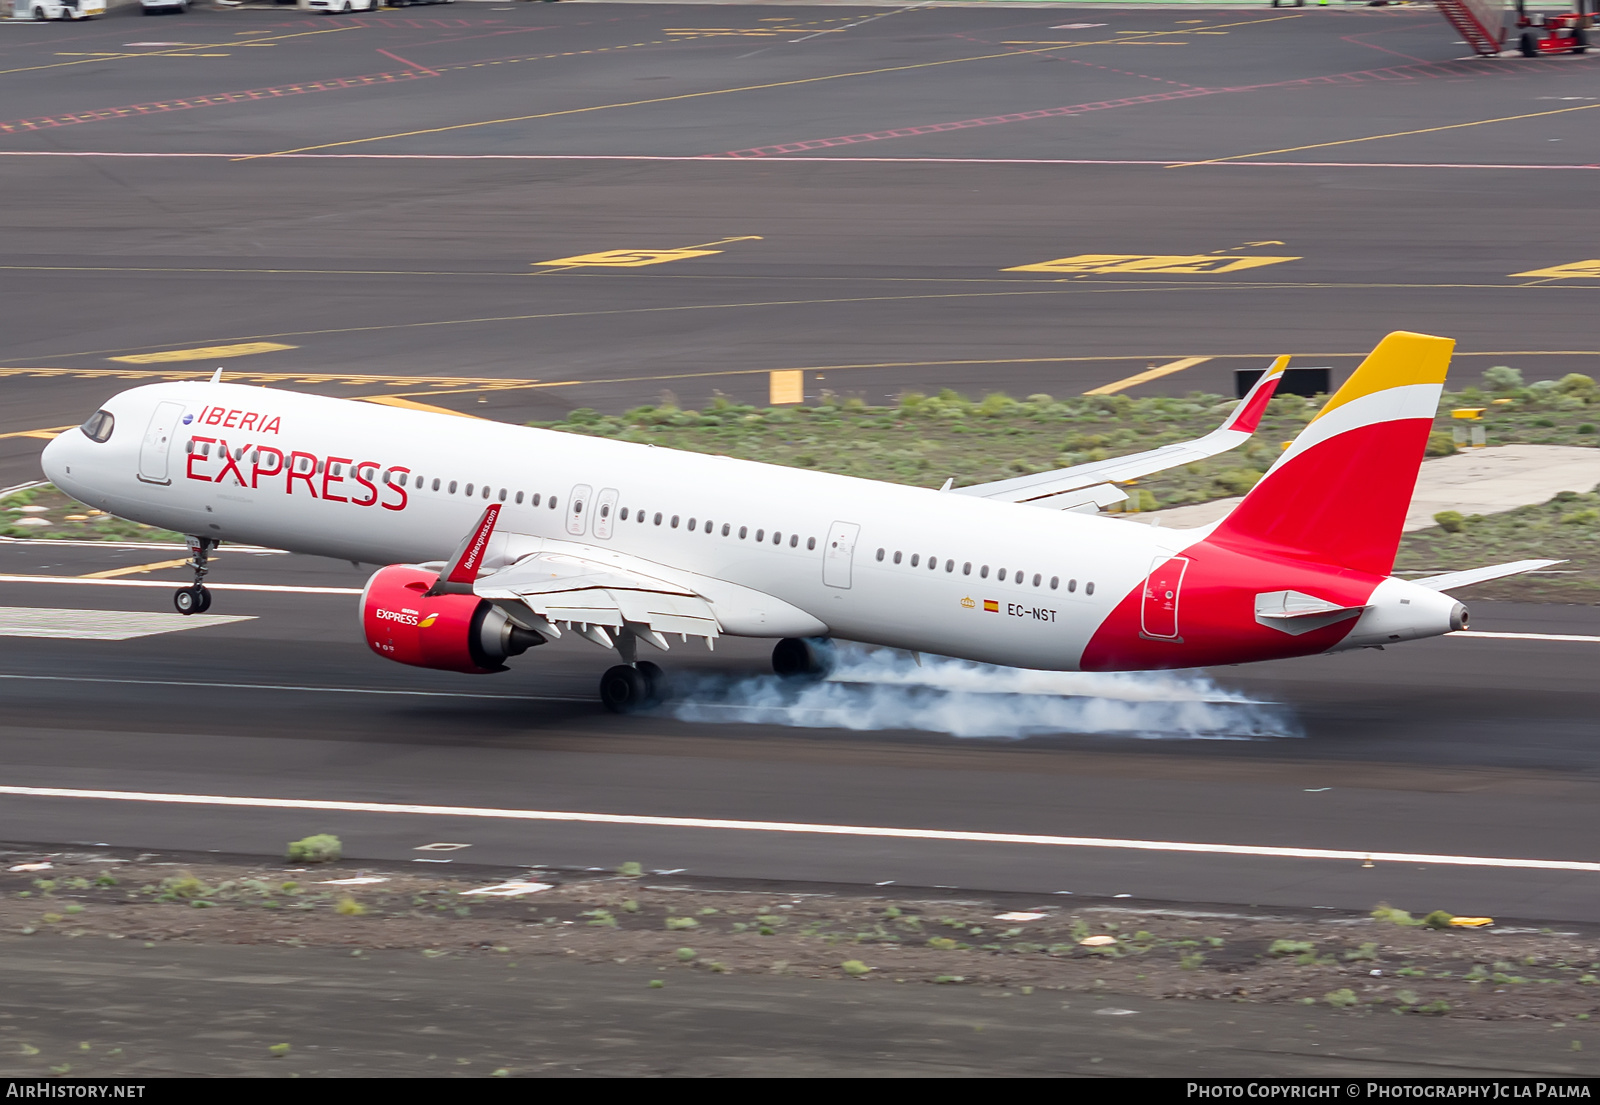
point(99, 426)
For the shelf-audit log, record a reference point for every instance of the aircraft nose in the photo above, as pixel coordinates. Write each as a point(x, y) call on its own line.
point(56, 458)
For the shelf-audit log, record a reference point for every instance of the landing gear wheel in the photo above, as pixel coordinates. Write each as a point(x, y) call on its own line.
point(191, 600)
point(809, 658)
point(1528, 44)
point(623, 689)
point(655, 682)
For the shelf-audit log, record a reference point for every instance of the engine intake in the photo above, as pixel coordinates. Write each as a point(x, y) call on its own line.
point(446, 632)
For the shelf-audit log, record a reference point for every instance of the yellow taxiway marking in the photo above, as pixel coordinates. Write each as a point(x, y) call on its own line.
point(1147, 375)
point(628, 258)
point(1379, 137)
point(637, 258)
point(43, 435)
point(1567, 271)
point(1136, 262)
point(410, 405)
point(708, 92)
point(204, 353)
point(136, 569)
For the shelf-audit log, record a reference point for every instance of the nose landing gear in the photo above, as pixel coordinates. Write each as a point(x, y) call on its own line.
point(196, 599)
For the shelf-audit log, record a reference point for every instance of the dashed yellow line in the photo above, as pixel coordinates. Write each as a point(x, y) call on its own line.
point(205, 353)
point(1147, 375)
point(43, 435)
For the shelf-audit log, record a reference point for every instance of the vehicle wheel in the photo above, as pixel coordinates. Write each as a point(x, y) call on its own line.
point(1580, 40)
point(803, 657)
point(656, 690)
point(205, 599)
point(1528, 44)
point(38, 15)
point(623, 689)
point(186, 600)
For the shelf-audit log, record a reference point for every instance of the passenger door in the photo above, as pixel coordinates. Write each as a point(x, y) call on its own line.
point(1159, 612)
point(579, 509)
point(157, 442)
point(837, 554)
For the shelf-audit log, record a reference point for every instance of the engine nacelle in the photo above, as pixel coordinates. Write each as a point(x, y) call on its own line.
point(447, 632)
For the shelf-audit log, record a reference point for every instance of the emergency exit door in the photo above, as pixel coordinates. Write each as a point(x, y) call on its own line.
point(838, 553)
point(157, 442)
point(1162, 587)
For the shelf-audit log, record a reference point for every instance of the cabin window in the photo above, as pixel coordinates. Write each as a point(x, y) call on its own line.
point(658, 517)
point(897, 557)
point(811, 542)
point(761, 535)
point(384, 477)
point(605, 510)
point(532, 502)
point(1055, 582)
point(519, 498)
point(487, 489)
point(777, 538)
point(639, 514)
point(436, 483)
point(552, 502)
point(983, 572)
point(1036, 578)
point(335, 469)
point(916, 558)
point(1072, 585)
point(949, 565)
point(1001, 575)
point(1088, 588)
point(692, 524)
point(709, 525)
point(742, 531)
point(468, 491)
point(188, 446)
point(674, 521)
point(933, 563)
point(966, 569)
point(880, 554)
point(624, 515)
point(452, 487)
point(794, 540)
point(725, 529)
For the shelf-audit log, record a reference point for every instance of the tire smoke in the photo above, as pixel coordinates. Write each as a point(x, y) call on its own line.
point(879, 688)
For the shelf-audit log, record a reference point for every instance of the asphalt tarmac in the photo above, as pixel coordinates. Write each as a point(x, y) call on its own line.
point(1474, 748)
point(848, 191)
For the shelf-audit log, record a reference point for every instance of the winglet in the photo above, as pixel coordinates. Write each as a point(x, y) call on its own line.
point(1247, 415)
point(461, 570)
point(216, 377)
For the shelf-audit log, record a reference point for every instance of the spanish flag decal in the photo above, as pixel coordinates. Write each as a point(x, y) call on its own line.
point(991, 606)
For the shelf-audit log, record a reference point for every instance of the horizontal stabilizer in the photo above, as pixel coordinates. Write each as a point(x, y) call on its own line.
point(1075, 487)
point(1450, 581)
point(1294, 612)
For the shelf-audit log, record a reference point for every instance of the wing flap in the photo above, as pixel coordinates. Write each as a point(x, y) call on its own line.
point(560, 587)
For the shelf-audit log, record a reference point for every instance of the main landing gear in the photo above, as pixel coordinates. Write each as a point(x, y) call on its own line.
point(634, 684)
point(196, 599)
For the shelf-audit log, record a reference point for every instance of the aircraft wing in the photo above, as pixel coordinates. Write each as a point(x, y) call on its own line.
point(589, 595)
point(1090, 486)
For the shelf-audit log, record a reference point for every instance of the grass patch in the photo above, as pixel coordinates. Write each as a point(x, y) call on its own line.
point(67, 519)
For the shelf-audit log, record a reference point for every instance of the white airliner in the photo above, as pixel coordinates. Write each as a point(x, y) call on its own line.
point(623, 543)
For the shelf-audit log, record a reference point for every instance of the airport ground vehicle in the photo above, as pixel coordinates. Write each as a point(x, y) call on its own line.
point(151, 7)
point(41, 10)
point(621, 543)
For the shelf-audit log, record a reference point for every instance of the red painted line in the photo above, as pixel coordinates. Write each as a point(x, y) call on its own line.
point(1427, 70)
point(218, 99)
point(408, 61)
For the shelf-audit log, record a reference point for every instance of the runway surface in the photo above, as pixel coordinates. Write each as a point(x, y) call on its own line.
point(425, 205)
point(1476, 748)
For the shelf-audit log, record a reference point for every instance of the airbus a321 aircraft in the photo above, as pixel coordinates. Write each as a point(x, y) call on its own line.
point(623, 543)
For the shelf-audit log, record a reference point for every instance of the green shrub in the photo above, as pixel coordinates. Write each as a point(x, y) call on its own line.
point(1442, 443)
point(854, 968)
point(1389, 915)
point(320, 848)
point(1450, 521)
point(1291, 947)
point(1341, 999)
point(1438, 919)
point(1502, 378)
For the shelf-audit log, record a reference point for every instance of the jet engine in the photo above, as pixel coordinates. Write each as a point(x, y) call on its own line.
point(449, 632)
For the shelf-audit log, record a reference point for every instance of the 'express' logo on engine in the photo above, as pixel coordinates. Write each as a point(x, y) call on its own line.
point(404, 617)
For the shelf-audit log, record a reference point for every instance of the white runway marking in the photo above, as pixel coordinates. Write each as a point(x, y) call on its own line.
point(101, 625)
point(173, 584)
point(293, 687)
point(797, 827)
point(819, 159)
point(1578, 637)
